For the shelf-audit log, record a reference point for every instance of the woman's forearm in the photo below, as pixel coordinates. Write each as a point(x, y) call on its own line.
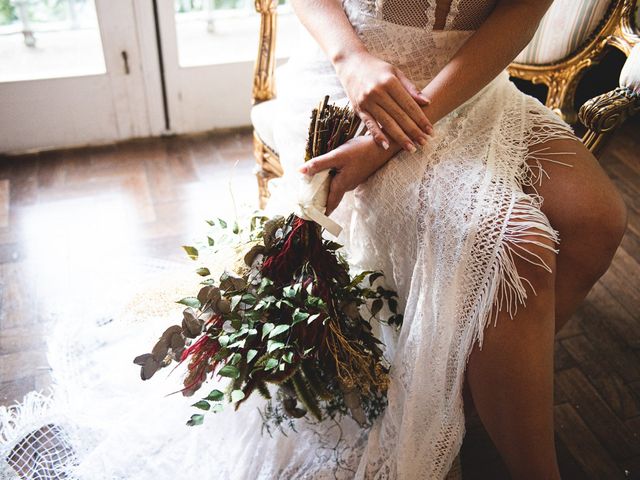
point(486, 53)
point(327, 22)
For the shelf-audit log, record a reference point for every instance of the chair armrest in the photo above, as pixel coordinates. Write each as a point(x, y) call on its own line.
point(263, 71)
point(605, 112)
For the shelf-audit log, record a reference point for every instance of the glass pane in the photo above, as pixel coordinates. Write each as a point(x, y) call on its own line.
point(49, 39)
point(225, 31)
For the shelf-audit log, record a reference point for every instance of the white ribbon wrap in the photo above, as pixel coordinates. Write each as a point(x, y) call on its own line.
point(312, 201)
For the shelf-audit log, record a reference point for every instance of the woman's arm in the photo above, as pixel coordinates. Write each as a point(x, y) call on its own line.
point(379, 92)
point(329, 25)
point(485, 54)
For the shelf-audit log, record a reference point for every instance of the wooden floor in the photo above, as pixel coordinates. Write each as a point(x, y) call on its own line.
point(70, 220)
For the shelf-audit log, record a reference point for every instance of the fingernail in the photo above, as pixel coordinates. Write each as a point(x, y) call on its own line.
point(430, 130)
point(422, 141)
point(411, 147)
point(303, 170)
point(385, 145)
point(424, 98)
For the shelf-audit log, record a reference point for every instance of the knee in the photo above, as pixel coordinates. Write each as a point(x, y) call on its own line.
point(599, 228)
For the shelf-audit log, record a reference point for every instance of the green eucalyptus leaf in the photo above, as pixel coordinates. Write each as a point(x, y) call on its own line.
point(203, 272)
point(251, 355)
point(310, 288)
point(230, 371)
point(288, 357)
point(374, 276)
point(192, 302)
point(376, 306)
point(266, 328)
point(238, 344)
point(285, 302)
point(316, 302)
point(215, 395)
point(235, 300)
point(289, 292)
point(278, 330)
point(191, 251)
point(271, 364)
point(330, 245)
point(299, 316)
point(359, 278)
point(202, 405)
point(273, 345)
point(264, 283)
point(393, 305)
point(196, 419)
point(237, 395)
point(249, 299)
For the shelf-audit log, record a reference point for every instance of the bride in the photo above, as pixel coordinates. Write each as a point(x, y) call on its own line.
point(487, 215)
point(476, 200)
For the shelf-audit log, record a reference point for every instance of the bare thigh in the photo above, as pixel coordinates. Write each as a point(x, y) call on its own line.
point(585, 207)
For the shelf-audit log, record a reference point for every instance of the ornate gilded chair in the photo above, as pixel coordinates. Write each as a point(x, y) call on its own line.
point(573, 36)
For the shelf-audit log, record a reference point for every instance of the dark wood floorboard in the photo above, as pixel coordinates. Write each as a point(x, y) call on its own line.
point(146, 198)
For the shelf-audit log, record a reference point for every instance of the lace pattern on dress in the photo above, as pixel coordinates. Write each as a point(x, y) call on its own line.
point(461, 15)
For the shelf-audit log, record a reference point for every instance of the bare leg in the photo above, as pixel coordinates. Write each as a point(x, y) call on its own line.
point(584, 205)
point(511, 378)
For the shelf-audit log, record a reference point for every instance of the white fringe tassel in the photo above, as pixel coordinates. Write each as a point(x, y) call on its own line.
point(18, 421)
point(526, 225)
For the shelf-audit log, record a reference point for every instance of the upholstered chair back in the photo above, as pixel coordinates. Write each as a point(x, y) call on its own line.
point(566, 26)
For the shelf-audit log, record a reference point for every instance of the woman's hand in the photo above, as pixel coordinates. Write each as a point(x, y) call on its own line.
point(353, 162)
point(382, 95)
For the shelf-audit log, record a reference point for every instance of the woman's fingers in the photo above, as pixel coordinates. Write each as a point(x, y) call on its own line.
point(409, 86)
point(323, 162)
point(392, 128)
point(375, 130)
point(405, 122)
point(410, 116)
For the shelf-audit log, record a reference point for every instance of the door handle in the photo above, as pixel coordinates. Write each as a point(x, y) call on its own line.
point(125, 60)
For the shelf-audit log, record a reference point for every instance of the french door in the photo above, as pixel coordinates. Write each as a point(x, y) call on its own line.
point(82, 72)
point(209, 47)
point(77, 72)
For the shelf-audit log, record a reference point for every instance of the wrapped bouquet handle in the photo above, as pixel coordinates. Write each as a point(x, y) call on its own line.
point(312, 201)
point(330, 127)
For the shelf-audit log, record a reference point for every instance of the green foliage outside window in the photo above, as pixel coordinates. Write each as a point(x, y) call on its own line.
point(7, 12)
point(39, 11)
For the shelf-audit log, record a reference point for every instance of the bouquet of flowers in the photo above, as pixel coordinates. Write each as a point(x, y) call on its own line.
point(289, 314)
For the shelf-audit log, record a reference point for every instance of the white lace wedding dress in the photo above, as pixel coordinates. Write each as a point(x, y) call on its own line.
point(444, 224)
